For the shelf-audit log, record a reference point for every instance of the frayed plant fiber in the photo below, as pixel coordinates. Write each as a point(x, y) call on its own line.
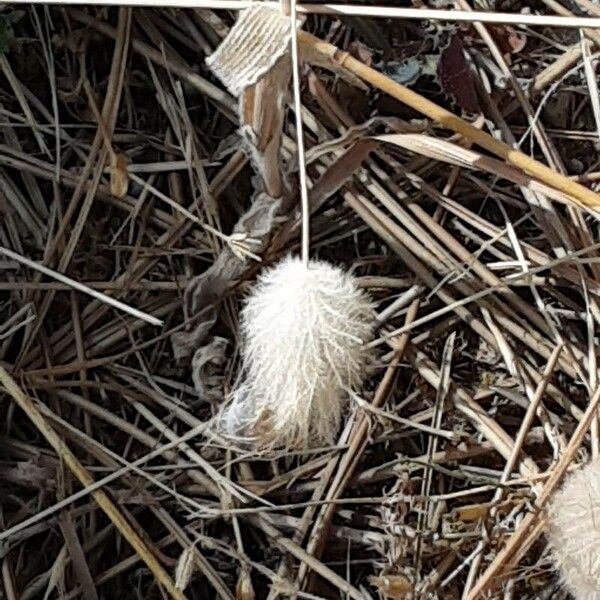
point(305, 332)
point(574, 531)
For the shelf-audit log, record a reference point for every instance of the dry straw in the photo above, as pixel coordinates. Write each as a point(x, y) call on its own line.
point(67, 456)
point(358, 10)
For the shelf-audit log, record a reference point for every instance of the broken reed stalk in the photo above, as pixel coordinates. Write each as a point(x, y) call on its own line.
point(86, 479)
point(579, 194)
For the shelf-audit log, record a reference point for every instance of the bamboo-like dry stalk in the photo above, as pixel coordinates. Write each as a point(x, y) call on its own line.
point(445, 118)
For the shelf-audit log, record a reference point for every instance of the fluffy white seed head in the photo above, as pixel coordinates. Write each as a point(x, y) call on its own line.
point(304, 346)
point(574, 531)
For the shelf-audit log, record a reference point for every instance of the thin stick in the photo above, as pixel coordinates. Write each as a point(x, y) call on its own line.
point(352, 10)
point(134, 312)
point(301, 554)
point(132, 466)
point(444, 117)
point(86, 479)
point(524, 536)
point(529, 415)
point(449, 15)
point(514, 455)
point(300, 137)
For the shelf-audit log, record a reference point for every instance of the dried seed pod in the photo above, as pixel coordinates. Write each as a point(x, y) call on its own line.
point(304, 332)
point(574, 531)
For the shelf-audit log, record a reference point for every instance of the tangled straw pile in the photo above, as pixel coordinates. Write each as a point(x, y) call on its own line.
point(305, 332)
point(460, 249)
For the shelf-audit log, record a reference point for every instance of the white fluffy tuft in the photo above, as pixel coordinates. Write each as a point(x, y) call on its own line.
point(304, 334)
point(574, 531)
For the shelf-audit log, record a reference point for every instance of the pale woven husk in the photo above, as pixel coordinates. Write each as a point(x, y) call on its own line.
point(259, 38)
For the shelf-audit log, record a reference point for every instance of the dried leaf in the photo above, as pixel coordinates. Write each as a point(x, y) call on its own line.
point(262, 113)
point(339, 172)
point(185, 568)
point(454, 154)
point(359, 132)
point(472, 512)
point(244, 589)
point(283, 586)
point(119, 179)
point(207, 364)
point(455, 76)
point(370, 31)
point(28, 473)
point(362, 52)
point(208, 289)
point(186, 342)
point(7, 34)
point(396, 587)
point(516, 40)
point(257, 41)
point(509, 40)
point(57, 574)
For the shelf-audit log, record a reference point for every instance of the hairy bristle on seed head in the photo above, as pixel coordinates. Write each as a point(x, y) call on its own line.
point(305, 331)
point(574, 531)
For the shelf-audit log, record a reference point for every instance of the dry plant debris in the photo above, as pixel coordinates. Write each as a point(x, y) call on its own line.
point(305, 348)
point(573, 531)
point(453, 172)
